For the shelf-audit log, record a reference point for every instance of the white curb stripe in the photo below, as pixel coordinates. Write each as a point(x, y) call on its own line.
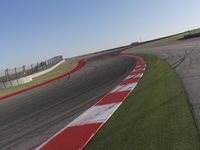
point(96, 114)
point(134, 76)
point(121, 88)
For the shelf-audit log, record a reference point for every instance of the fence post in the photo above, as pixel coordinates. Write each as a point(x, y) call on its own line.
point(4, 85)
point(24, 70)
point(46, 64)
point(2, 82)
point(7, 76)
point(37, 66)
point(32, 69)
point(16, 76)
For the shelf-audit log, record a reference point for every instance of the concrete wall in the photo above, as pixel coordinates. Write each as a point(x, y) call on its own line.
point(29, 78)
point(46, 71)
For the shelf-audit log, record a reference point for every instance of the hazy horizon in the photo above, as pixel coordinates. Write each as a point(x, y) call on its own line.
point(32, 31)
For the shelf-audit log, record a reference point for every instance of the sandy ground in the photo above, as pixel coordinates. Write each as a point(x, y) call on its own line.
point(184, 56)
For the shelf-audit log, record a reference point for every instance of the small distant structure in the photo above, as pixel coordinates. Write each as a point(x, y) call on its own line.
point(135, 43)
point(54, 60)
point(191, 35)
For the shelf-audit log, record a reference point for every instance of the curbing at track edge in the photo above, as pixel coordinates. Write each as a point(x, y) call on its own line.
point(79, 132)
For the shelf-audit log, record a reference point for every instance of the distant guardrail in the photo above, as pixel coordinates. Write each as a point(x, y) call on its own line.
point(18, 73)
point(194, 35)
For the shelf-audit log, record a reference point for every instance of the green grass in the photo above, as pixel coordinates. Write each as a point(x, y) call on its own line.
point(170, 39)
point(61, 69)
point(156, 116)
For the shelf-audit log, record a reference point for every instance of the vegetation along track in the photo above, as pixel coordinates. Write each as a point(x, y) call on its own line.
point(156, 116)
point(30, 118)
point(186, 54)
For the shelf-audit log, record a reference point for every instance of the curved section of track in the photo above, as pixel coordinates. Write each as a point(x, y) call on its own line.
point(183, 56)
point(32, 117)
point(80, 65)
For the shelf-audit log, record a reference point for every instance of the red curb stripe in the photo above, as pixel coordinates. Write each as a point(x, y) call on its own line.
point(137, 72)
point(140, 67)
point(79, 136)
point(131, 80)
point(140, 61)
point(81, 64)
point(113, 98)
point(76, 135)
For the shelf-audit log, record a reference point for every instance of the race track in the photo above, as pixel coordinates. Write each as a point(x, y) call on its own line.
point(183, 56)
point(30, 118)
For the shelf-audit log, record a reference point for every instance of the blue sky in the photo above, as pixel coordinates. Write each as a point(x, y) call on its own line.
point(33, 30)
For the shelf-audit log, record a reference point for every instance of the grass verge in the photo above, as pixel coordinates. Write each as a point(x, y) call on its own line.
point(61, 69)
point(168, 39)
point(156, 116)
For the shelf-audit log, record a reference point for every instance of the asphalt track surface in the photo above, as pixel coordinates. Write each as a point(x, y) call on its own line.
point(184, 57)
point(30, 118)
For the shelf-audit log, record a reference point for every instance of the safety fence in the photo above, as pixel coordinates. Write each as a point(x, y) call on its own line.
point(8, 75)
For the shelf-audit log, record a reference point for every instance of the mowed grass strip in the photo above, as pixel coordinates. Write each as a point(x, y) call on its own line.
point(156, 116)
point(61, 69)
point(169, 39)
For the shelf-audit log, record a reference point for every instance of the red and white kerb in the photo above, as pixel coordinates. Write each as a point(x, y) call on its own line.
point(79, 132)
